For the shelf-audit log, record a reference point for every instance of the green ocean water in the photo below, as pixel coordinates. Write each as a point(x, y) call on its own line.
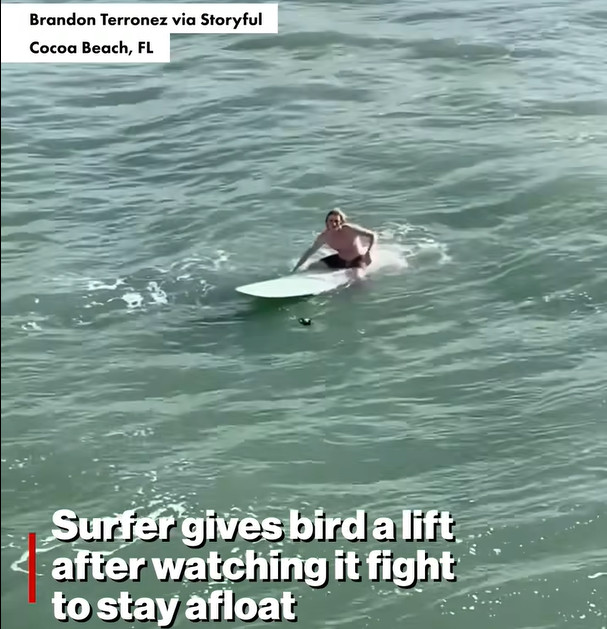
point(468, 373)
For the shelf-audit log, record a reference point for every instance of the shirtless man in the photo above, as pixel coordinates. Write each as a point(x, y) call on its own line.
point(345, 239)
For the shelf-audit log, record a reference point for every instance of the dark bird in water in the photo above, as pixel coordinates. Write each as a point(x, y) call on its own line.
point(305, 321)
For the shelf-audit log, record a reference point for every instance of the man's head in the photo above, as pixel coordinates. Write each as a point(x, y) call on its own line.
point(335, 219)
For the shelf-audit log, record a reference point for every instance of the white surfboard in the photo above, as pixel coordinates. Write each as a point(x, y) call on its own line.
point(299, 284)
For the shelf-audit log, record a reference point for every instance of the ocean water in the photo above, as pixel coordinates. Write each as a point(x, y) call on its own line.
point(467, 373)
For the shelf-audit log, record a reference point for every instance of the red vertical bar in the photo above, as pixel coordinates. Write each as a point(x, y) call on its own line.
point(31, 568)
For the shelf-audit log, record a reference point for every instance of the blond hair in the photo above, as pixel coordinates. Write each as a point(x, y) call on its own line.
point(336, 212)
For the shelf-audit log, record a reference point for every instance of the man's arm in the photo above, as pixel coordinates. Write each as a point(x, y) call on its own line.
point(365, 233)
point(310, 251)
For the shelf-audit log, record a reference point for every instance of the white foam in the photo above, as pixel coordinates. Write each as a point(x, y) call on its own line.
point(97, 285)
point(400, 247)
point(133, 300)
point(430, 249)
point(31, 325)
point(222, 257)
point(389, 257)
point(157, 294)
point(414, 244)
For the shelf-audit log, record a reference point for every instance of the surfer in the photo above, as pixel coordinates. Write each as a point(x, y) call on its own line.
point(344, 238)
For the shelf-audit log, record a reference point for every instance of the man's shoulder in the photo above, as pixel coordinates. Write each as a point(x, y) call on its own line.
point(357, 229)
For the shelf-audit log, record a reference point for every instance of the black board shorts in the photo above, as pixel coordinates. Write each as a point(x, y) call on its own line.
point(335, 262)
